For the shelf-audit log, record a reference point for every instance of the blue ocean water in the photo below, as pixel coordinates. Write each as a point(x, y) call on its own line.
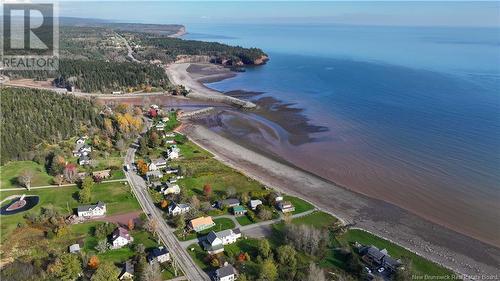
point(421, 104)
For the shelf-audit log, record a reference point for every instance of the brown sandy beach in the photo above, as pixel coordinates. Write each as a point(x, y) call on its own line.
point(451, 249)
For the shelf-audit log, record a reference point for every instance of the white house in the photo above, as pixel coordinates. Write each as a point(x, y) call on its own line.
point(173, 152)
point(254, 203)
point(226, 273)
point(90, 211)
point(160, 126)
point(127, 271)
point(157, 164)
point(229, 236)
point(285, 206)
point(80, 141)
point(214, 242)
point(120, 238)
point(75, 248)
point(171, 189)
point(160, 255)
point(175, 209)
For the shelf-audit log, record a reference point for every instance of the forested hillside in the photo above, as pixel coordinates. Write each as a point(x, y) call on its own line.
point(101, 76)
point(30, 117)
point(167, 49)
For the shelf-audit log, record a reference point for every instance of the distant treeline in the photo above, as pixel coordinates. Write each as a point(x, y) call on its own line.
point(31, 117)
point(170, 48)
point(100, 76)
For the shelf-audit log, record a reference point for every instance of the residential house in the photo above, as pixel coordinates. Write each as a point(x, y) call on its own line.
point(213, 244)
point(102, 174)
point(230, 202)
point(226, 273)
point(84, 160)
point(171, 171)
point(286, 206)
point(160, 126)
point(151, 175)
point(376, 258)
point(170, 142)
point(229, 236)
point(91, 211)
point(175, 209)
point(171, 189)
point(80, 141)
point(157, 164)
point(239, 210)
point(75, 248)
point(159, 254)
point(165, 119)
point(82, 149)
point(120, 238)
point(278, 198)
point(168, 135)
point(201, 223)
point(127, 271)
point(156, 185)
point(173, 152)
point(254, 203)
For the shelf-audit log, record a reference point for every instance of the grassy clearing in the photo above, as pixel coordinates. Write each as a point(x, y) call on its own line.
point(201, 168)
point(117, 196)
point(420, 264)
point(220, 224)
point(244, 220)
point(317, 219)
point(12, 170)
point(299, 204)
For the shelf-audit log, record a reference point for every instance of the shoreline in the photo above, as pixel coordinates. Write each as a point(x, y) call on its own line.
point(432, 241)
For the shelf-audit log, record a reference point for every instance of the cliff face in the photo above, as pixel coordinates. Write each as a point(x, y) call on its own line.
point(261, 60)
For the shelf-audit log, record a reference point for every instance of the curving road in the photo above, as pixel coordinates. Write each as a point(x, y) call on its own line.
point(180, 255)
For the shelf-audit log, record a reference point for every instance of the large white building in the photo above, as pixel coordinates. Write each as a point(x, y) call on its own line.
point(90, 211)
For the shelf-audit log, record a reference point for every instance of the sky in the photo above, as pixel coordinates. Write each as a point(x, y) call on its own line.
point(395, 13)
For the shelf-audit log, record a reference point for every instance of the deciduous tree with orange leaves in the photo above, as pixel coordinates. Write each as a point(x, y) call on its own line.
point(93, 262)
point(164, 203)
point(130, 224)
point(207, 190)
point(142, 167)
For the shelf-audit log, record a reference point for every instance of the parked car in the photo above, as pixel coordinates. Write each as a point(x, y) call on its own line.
point(380, 270)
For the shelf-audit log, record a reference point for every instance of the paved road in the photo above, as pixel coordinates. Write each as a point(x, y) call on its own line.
point(184, 260)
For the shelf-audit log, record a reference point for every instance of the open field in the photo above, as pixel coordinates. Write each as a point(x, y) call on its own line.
point(317, 219)
point(10, 172)
point(420, 265)
point(201, 168)
point(116, 195)
point(299, 204)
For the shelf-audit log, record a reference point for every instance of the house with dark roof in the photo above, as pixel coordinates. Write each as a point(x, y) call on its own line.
point(84, 160)
point(230, 202)
point(91, 211)
point(159, 254)
point(225, 273)
point(127, 271)
point(213, 244)
point(376, 258)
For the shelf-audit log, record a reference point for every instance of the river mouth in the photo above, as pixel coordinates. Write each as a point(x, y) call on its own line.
point(30, 202)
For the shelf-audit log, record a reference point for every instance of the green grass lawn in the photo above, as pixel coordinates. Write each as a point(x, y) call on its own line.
point(201, 168)
point(198, 255)
point(220, 224)
point(10, 172)
point(420, 264)
point(317, 219)
point(244, 220)
point(299, 204)
point(117, 196)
